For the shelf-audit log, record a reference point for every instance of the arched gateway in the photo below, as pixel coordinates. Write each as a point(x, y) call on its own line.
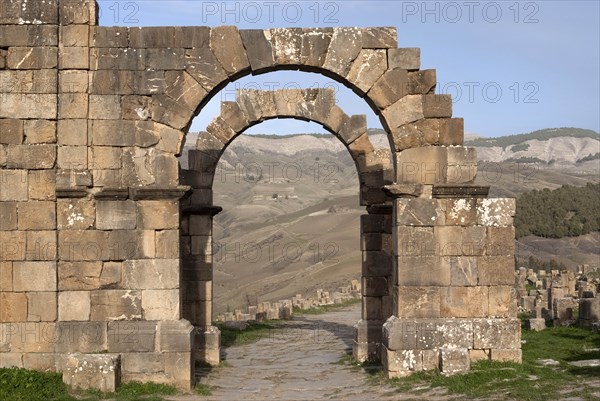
point(94, 205)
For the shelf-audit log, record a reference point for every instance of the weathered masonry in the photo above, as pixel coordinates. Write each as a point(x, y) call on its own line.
point(105, 243)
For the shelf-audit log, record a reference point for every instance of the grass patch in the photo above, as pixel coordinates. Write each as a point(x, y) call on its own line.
point(202, 389)
point(26, 385)
point(18, 384)
point(326, 308)
point(253, 333)
point(528, 381)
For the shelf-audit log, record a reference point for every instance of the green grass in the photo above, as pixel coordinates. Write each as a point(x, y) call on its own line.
point(253, 333)
point(202, 389)
point(528, 381)
point(326, 308)
point(27, 385)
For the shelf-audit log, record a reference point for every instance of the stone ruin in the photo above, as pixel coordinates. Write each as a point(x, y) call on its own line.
point(106, 260)
point(559, 298)
point(284, 309)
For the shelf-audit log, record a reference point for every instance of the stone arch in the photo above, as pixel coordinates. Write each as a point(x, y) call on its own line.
point(88, 157)
point(373, 167)
point(317, 105)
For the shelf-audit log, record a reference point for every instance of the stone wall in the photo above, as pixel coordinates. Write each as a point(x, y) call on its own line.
point(105, 247)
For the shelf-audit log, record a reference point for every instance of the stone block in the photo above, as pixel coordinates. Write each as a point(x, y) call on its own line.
point(202, 64)
point(226, 44)
point(408, 109)
point(91, 371)
point(502, 301)
point(32, 58)
point(73, 81)
point(379, 38)
point(506, 355)
point(6, 276)
point(74, 35)
point(345, 45)
point(11, 360)
point(463, 270)
point(389, 88)
point(449, 240)
point(135, 336)
point(464, 302)
point(500, 241)
point(437, 106)
point(417, 302)
point(151, 274)
point(372, 308)
point(83, 12)
point(452, 132)
point(401, 363)
point(376, 264)
point(34, 276)
point(175, 336)
point(73, 105)
point(116, 305)
point(72, 132)
point(462, 165)
point(13, 245)
point(111, 275)
point(85, 337)
point(45, 362)
point(8, 211)
point(363, 352)
point(461, 212)
point(158, 215)
point(42, 185)
point(37, 215)
point(454, 360)
point(405, 59)
point(286, 45)
point(473, 240)
point(259, 49)
point(536, 324)
point(368, 67)
point(40, 131)
point(27, 337)
point(497, 333)
point(425, 165)
point(375, 286)
point(73, 157)
point(160, 304)
point(422, 270)
point(123, 133)
point(32, 157)
point(116, 215)
point(11, 131)
point(366, 331)
point(419, 212)
point(28, 35)
point(73, 58)
point(496, 211)
point(167, 244)
point(105, 158)
point(105, 107)
point(75, 214)
point(496, 270)
point(136, 107)
point(29, 106)
point(41, 245)
point(13, 307)
point(78, 276)
point(74, 306)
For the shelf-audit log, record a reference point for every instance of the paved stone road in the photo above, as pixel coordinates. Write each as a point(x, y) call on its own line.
point(298, 362)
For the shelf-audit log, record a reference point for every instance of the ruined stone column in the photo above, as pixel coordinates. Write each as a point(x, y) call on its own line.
point(376, 246)
point(197, 281)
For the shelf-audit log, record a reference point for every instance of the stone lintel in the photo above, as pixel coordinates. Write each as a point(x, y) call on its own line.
point(71, 192)
point(460, 191)
point(112, 194)
point(202, 210)
point(403, 190)
point(158, 193)
point(380, 209)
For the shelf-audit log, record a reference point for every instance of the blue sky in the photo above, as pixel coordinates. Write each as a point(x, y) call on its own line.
point(512, 67)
